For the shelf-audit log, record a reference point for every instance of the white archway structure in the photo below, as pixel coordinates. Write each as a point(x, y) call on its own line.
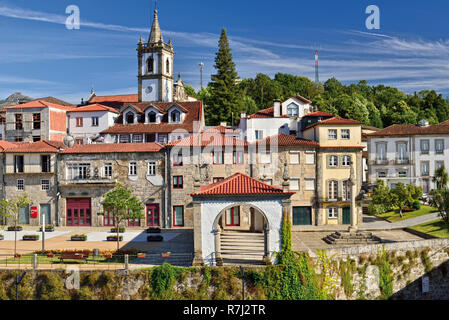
point(212, 200)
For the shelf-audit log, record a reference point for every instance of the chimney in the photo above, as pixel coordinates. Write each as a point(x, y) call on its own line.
point(243, 115)
point(277, 108)
point(224, 124)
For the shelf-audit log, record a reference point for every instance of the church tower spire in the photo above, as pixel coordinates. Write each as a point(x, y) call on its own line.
point(155, 67)
point(156, 34)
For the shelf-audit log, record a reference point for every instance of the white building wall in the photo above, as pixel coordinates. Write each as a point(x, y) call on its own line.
point(106, 119)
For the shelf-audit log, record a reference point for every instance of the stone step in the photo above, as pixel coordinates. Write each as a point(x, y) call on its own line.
point(241, 236)
point(241, 256)
point(237, 262)
point(243, 247)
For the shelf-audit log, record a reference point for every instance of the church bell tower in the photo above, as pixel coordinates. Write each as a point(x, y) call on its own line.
point(155, 74)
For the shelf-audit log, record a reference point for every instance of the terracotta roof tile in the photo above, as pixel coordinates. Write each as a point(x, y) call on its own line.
point(93, 107)
point(114, 148)
point(265, 113)
point(6, 145)
point(283, 139)
point(208, 138)
point(56, 101)
point(124, 98)
point(39, 104)
point(43, 146)
point(193, 108)
point(410, 129)
point(334, 120)
point(239, 184)
point(445, 123)
point(319, 114)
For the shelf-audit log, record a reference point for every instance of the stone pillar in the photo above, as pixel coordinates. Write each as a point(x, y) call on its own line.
point(266, 232)
point(197, 236)
point(354, 212)
point(218, 258)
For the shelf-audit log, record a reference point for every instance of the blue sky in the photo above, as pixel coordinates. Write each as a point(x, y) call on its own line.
point(40, 57)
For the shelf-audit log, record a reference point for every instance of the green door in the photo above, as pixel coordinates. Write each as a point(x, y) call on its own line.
point(302, 216)
point(24, 215)
point(45, 211)
point(346, 215)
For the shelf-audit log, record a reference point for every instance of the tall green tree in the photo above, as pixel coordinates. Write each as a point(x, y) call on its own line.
point(441, 178)
point(9, 210)
point(224, 94)
point(123, 206)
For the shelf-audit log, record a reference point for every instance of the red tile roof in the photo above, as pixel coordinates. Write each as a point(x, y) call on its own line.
point(39, 104)
point(266, 113)
point(114, 148)
point(6, 145)
point(239, 184)
point(56, 101)
point(93, 107)
point(445, 123)
point(208, 138)
point(283, 139)
point(333, 121)
point(44, 146)
point(410, 129)
point(223, 130)
point(193, 108)
point(124, 98)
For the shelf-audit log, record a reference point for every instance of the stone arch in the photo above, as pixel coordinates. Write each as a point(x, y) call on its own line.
point(243, 203)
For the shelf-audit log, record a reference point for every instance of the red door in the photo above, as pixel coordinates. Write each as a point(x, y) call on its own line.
point(153, 218)
point(79, 212)
point(232, 217)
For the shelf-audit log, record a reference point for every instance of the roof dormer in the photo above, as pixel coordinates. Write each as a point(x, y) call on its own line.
point(130, 115)
point(153, 115)
point(176, 114)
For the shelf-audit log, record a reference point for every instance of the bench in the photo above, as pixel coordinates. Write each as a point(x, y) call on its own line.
point(73, 256)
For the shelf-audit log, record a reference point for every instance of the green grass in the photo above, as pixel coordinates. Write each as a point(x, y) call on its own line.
point(435, 228)
point(393, 216)
point(43, 259)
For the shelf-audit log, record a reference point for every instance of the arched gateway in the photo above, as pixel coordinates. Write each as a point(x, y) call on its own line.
point(215, 210)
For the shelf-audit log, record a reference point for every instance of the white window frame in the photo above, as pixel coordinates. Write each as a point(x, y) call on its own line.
point(95, 121)
point(332, 213)
point(308, 154)
point(346, 134)
point(132, 168)
point(423, 142)
point(151, 168)
point(332, 189)
point(20, 185)
point(310, 184)
point(259, 134)
point(108, 170)
point(345, 162)
point(295, 157)
point(332, 161)
point(379, 174)
point(442, 146)
point(45, 186)
point(332, 134)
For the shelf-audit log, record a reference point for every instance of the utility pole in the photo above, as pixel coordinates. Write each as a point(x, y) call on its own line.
point(317, 77)
point(201, 73)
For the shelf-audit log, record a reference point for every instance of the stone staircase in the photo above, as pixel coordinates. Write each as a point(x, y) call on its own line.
point(361, 237)
point(242, 248)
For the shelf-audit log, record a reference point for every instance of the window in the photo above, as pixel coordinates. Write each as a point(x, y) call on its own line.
point(345, 134)
point(152, 168)
point(346, 191)
point(439, 164)
point(109, 219)
point(402, 152)
point(381, 174)
point(45, 185)
point(425, 168)
point(36, 121)
point(218, 157)
point(18, 164)
point(216, 180)
point(259, 134)
point(178, 216)
point(294, 184)
point(381, 151)
point(20, 184)
point(424, 146)
point(167, 66)
point(332, 213)
point(150, 65)
point(175, 116)
point(79, 122)
point(45, 164)
point(95, 121)
point(333, 161)
point(36, 138)
point(132, 169)
point(333, 190)
point(177, 160)
point(152, 117)
point(402, 174)
point(162, 138)
point(346, 161)
point(129, 117)
point(310, 184)
point(292, 110)
point(78, 171)
point(310, 157)
point(108, 170)
point(332, 134)
point(18, 139)
point(269, 182)
point(19, 123)
point(79, 141)
point(137, 138)
point(238, 157)
point(178, 182)
point(125, 138)
point(439, 146)
point(294, 157)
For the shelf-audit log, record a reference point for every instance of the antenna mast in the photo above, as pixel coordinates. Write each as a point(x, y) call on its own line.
point(201, 73)
point(317, 78)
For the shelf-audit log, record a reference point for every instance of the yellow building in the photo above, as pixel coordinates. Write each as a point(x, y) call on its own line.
point(340, 151)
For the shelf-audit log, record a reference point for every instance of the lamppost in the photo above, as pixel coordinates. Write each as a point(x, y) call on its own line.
point(351, 186)
point(43, 232)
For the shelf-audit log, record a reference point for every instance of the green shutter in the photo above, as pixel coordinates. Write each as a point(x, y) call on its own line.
point(302, 216)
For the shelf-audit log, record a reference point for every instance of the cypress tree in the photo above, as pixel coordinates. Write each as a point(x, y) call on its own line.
point(224, 94)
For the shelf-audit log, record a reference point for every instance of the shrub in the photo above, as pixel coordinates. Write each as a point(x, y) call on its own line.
point(12, 228)
point(376, 209)
point(114, 238)
point(79, 237)
point(416, 205)
point(30, 237)
point(120, 230)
